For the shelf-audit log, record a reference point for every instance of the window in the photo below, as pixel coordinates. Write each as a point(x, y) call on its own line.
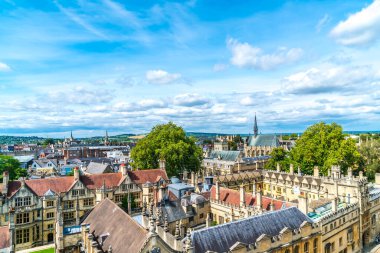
point(201, 216)
point(79, 192)
point(328, 248)
point(50, 226)
point(88, 202)
point(333, 246)
point(49, 203)
point(22, 218)
point(191, 219)
point(315, 246)
point(37, 232)
point(306, 247)
point(340, 241)
point(373, 220)
point(22, 236)
point(297, 249)
point(50, 215)
point(68, 216)
point(201, 205)
point(69, 204)
point(119, 198)
point(350, 235)
point(25, 201)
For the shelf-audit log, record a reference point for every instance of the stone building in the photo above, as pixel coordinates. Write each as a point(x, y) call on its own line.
point(283, 231)
point(29, 207)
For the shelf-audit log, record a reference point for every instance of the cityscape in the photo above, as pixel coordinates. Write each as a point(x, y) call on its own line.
point(190, 126)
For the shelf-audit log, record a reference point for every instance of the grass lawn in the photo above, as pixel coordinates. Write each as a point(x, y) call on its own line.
point(51, 250)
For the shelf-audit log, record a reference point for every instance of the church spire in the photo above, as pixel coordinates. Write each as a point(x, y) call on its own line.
point(71, 135)
point(255, 127)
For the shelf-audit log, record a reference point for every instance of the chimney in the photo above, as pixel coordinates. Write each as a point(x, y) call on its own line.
point(349, 173)
point(208, 220)
point(217, 191)
point(299, 171)
point(254, 188)
point(76, 173)
point(291, 169)
point(271, 207)
point(259, 199)
point(242, 195)
point(5, 182)
point(316, 171)
point(334, 204)
point(303, 205)
point(123, 169)
point(278, 167)
point(360, 174)
point(162, 164)
point(193, 183)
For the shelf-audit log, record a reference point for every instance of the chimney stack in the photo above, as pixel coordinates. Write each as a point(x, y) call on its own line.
point(259, 199)
point(76, 173)
point(299, 171)
point(334, 204)
point(303, 205)
point(278, 167)
point(193, 181)
point(349, 173)
point(217, 191)
point(291, 169)
point(5, 182)
point(123, 169)
point(162, 164)
point(242, 195)
point(316, 171)
point(360, 174)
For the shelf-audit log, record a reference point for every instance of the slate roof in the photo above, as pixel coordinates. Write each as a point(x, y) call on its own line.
point(97, 168)
point(224, 155)
point(125, 234)
point(43, 162)
point(264, 140)
point(221, 238)
point(4, 237)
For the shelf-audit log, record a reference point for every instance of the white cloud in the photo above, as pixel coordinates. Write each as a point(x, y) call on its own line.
point(360, 28)
point(4, 67)
point(161, 77)
point(322, 22)
point(341, 79)
point(247, 56)
point(190, 100)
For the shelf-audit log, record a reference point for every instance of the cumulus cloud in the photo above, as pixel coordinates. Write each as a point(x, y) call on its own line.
point(190, 99)
point(4, 67)
point(332, 79)
point(360, 28)
point(161, 77)
point(245, 55)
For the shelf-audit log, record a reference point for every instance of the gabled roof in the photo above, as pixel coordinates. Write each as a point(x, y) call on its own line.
point(125, 234)
point(221, 238)
point(262, 140)
point(96, 181)
point(144, 176)
point(97, 168)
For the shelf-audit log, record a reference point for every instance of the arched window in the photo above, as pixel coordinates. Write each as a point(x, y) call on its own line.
point(287, 251)
point(306, 247)
point(297, 249)
point(328, 248)
point(315, 246)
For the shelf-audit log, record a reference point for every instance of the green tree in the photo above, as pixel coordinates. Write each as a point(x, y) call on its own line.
point(124, 202)
point(169, 142)
point(324, 145)
point(370, 153)
point(12, 165)
point(48, 141)
point(232, 145)
point(280, 156)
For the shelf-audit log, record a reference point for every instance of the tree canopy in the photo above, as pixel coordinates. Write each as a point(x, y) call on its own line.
point(168, 142)
point(12, 165)
point(320, 145)
point(370, 152)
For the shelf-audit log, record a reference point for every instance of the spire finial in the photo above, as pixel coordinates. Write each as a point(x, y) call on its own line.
point(255, 127)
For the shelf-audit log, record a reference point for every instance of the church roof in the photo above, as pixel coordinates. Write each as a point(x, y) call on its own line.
point(98, 168)
point(225, 155)
point(270, 140)
point(221, 238)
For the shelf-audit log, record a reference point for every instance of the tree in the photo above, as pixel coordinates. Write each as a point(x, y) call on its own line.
point(124, 202)
point(324, 145)
point(168, 142)
point(370, 153)
point(280, 156)
point(12, 165)
point(48, 141)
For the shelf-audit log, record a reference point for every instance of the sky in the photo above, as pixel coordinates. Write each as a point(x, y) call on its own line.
point(209, 66)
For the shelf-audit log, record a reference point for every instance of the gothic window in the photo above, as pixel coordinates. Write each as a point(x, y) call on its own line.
point(350, 235)
point(373, 220)
point(306, 247)
point(328, 248)
point(297, 249)
point(315, 245)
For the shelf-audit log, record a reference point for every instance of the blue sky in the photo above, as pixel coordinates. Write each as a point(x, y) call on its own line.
point(125, 66)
